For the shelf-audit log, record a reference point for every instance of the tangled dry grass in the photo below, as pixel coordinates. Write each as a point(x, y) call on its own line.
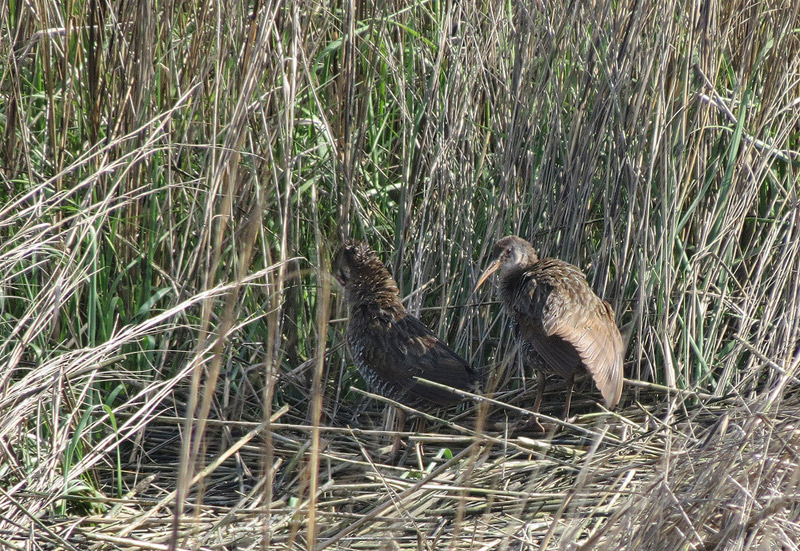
point(679, 473)
point(174, 175)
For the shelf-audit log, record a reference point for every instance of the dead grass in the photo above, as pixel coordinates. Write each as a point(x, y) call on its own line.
point(723, 477)
point(173, 178)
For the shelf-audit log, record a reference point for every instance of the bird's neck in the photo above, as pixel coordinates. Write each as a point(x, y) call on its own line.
point(378, 293)
point(511, 279)
point(514, 274)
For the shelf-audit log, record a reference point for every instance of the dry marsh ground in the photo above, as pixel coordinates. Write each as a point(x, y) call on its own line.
point(175, 176)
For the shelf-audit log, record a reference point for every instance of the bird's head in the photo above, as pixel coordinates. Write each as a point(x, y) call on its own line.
point(353, 260)
point(344, 262)
point(508, 254)
point(362, 275)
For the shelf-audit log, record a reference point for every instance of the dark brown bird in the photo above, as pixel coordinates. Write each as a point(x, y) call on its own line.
point(390, 346)
point(562, 327)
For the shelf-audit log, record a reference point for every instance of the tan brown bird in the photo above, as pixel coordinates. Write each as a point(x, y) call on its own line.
point(390, 347)
point(562, 326)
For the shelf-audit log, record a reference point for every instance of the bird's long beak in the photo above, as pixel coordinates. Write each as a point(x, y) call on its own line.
point(492, 268)
point(339, 279)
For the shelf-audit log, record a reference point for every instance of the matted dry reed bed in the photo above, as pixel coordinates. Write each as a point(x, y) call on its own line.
point(682, 474)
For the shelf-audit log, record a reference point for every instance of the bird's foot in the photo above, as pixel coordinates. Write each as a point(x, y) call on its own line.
point(531, 426)
point(395, 453)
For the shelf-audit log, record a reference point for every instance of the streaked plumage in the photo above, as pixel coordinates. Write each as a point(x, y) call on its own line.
point(389, 346)
point(562, 326)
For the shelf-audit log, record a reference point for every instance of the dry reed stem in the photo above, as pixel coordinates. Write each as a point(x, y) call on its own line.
point(155, 153)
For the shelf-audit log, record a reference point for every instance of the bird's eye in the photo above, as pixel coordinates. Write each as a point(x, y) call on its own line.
point(342, 275)
point(508, 251)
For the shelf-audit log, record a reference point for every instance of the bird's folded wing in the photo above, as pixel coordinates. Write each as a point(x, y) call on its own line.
point(594, 336)
point(576, 327)
point(411, 350)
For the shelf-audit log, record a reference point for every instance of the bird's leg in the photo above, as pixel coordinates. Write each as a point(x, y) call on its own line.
point(537, 404)
point(399, 426)
point(419, 428)
point(533, 424)
point(570, 384)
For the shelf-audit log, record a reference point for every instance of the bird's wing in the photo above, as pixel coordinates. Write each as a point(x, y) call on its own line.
point(408, 350)
point(573, 327)
point(593, 334)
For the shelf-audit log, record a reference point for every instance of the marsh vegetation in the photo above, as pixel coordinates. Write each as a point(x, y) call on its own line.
point(175, 176)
